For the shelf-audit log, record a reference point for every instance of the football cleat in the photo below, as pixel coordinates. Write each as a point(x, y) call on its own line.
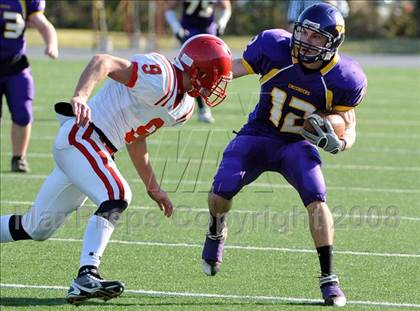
point(331, 291)
point(19, 165)
point(91, 285)
point(213, 253)
point(205, 116)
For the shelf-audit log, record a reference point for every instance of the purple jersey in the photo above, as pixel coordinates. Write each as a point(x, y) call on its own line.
point(288, 94)
point(13, 17)
point(198, 15)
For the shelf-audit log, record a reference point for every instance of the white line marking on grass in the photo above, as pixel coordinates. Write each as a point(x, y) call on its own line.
point(387, 150)
point(385, 122)
point(388, 135)
point(253, 185)
point(247, 248)
point(372, 167)
point(356, 149)
point(213, 161)
point(224, 296)
point(376, 135)
point(234, 116)
point(241, 211)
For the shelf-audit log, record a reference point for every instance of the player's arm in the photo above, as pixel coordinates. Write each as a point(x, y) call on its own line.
point(172, 20)
point(47, 31)
point(99, 67)
point(295, 8)
point(225, 14)
point(140, 158)
point(240, 68)
point(350, 133)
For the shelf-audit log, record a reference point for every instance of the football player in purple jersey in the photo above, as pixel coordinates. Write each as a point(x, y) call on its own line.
point(198, 17)
point(16, 81)
point(299, 74)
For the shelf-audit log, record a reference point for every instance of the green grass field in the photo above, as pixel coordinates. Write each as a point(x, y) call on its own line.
point(374, 192)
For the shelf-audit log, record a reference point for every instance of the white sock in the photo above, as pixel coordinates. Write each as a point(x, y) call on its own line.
point(5, 235)
point(97, 235)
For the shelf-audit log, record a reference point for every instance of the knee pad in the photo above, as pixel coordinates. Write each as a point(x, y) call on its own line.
point(41, 231)
point(41, 235)
point(308, 198)
point(23, 115)
point(22, 120)
point(111, 210)
point(227, 189)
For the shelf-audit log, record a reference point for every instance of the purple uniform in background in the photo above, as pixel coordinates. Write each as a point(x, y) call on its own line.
point(270, 140)
point(198, 17)
point(15, 78)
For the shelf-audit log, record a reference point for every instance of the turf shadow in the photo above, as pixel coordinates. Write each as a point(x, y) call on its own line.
point(26, 302)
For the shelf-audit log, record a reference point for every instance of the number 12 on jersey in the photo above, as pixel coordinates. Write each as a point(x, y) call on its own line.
point(278, 100)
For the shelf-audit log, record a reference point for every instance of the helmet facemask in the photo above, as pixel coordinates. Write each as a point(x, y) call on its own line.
point(212, 94)
point(218, 92)
point(324, 53)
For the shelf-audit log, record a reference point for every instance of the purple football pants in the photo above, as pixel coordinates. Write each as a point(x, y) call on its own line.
point(247, 157)
point(19, 90)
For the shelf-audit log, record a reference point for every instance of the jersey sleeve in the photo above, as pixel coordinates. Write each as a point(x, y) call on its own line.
point(352, 91)
point(265, 51)
point(152, 79)
point(35, 6)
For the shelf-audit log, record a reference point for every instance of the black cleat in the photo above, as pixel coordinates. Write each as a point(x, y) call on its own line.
point(89, 286)
point(19, 165)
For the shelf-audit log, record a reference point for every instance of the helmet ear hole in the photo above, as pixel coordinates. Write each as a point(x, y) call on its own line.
point(202, 74)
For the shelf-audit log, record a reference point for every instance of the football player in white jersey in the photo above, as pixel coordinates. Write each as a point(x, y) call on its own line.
point(143, 94)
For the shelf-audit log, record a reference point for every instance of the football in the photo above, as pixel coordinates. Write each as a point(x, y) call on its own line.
point(335, 119)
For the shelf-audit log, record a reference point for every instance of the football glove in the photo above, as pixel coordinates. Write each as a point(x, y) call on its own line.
point(220, 30)
point(328, 140)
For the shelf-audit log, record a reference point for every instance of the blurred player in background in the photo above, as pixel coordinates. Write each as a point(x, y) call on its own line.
point(16, 81)
point(198, 17)
point(144, 94)
point(296, 7)
point(300, 73)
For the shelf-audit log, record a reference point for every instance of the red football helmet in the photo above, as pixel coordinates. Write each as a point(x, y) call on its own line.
point(208, 62)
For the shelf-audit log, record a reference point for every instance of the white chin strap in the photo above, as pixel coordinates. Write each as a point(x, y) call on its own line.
point(328, 56)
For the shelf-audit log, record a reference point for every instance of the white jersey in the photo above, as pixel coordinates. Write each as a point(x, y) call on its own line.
point(84, 164)
point(149, 101)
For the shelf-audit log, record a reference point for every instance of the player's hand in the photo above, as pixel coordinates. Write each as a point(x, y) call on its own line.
point(328, 140)
point(220, 30)
point(182, 34)
point(162, 200)
point(51, 51)
point(81, 110)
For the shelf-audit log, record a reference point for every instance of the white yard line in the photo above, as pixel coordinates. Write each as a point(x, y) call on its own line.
point(179, 183)
point(382, 150)
point(234, 116)
point(357, 149)
point(247, 248)
point(200, 210)
point(223, 296)
point(325, 166)
point(376, 135)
